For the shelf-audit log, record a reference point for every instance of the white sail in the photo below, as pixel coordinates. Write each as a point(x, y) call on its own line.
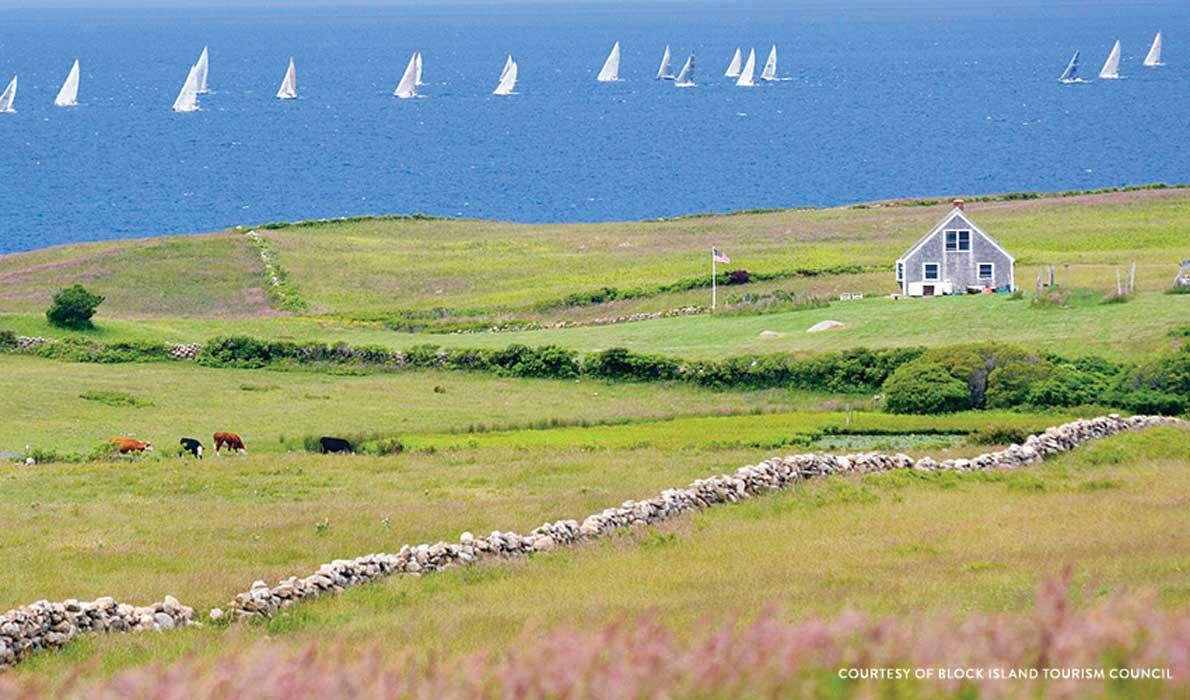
point(610, 72)
point(288, 89)
point(747, 75)
point(770, 66)
point(1070, 75)
point(1111, 67)
point(665, 72)
point(68, 96)
point(1154, 57)
point(686, 76)
point(733, 68)
point(200, 73)
point(8, 96)
point(418, 81)
point(507, 78)
point(408, 86)
point(187, 100)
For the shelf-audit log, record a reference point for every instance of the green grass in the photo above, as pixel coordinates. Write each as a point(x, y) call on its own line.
point(1139, 328)
point(385, 265)
point(194, 401)
point(893, 543)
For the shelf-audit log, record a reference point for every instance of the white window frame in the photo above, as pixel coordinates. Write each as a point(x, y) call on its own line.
point(925, 276)
point(900, 271)
point(958, 240)
point(991, 277)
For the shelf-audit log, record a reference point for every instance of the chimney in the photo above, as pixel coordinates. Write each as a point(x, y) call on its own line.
point(958, 204)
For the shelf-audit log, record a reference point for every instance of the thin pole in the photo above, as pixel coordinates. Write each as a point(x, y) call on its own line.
point(714, 282)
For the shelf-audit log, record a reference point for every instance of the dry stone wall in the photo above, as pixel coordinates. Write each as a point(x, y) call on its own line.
point(774, 474)
point(45, 625)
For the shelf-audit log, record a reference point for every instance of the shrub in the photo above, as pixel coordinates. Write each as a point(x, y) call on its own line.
point(998, 435)
point(924, 387)
point(619, 363)
point(8, 341)
point(1065, 386)
point(738, 277)
point(73, 308)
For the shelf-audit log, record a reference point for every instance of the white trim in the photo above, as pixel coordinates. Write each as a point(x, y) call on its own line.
point(939, 226)
point(927, 278)
point(980, 278)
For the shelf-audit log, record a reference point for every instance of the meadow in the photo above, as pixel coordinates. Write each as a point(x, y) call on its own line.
point(483, 451)
point(902, 543)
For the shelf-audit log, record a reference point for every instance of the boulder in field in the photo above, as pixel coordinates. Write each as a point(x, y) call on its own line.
point(824, 326)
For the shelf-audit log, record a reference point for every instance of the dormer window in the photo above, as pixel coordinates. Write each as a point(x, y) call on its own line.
point(958, 241)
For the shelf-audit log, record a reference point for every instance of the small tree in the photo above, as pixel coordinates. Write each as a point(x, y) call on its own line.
point(73, 308)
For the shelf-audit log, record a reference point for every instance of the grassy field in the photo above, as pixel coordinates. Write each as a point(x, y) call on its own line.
point(1138, 328)
point(485, 452)
point(892, 543)
point(264, 406)
point(384, 265)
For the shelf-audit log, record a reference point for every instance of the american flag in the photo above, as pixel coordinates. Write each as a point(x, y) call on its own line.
point(718, 256)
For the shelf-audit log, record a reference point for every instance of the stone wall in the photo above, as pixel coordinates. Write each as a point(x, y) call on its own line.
point(746, 482)
point(44, 625)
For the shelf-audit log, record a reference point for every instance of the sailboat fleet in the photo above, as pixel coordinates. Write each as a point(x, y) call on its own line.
point(1111, 66)
point(739, 69)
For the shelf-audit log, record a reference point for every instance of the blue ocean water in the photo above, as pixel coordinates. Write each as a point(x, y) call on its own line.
point(884, 100)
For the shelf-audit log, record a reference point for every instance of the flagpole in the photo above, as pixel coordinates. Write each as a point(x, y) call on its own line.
point(714, 281)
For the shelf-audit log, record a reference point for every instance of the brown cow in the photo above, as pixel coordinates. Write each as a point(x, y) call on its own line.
point(129, 445)
point(229, 440)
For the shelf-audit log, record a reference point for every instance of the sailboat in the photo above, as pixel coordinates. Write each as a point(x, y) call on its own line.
point(747, 75)
point(1070, 75)
point(200, 73)
point(610, 72)
point(1153, 59)
point(187, 100)
point(1111, 67)
point(68, 96)
point(507, 78)
point(288, 89)
point(408, 86)
point(665, 72)
point(770, 66)
point(733, 68)
point(8, 96)
point(417, 81)
point(686, 76)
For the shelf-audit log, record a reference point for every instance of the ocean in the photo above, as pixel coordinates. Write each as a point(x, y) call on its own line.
point(882, 100)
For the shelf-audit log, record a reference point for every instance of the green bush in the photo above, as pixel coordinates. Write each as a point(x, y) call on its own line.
point(924, 387)
point(619, 363)
point(1066, 386)
point(73, 308)
point(998, 435)
point(8, 341)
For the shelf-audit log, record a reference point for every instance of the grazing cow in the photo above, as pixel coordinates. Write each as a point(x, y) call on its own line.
point(334, 444)
point(229, 440)
point(192, 446)
point(129, 445)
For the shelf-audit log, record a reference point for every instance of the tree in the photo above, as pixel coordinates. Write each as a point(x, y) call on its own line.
point(73, 308)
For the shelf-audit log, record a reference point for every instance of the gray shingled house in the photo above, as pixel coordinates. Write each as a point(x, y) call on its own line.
point(954, 257)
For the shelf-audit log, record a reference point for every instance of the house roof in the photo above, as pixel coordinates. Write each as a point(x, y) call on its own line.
point(955, 211)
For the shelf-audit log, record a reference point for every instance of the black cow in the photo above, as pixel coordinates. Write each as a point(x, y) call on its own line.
point(192, 446)
point(334, 444)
